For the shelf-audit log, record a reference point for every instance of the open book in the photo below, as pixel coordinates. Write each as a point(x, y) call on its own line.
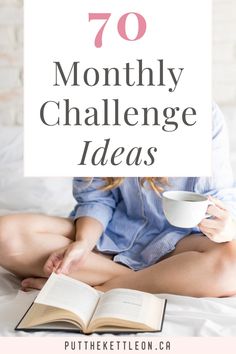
point(70, 305)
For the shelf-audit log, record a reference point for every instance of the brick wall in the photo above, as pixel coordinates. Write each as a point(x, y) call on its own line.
point(11, 23)
point(224, 51)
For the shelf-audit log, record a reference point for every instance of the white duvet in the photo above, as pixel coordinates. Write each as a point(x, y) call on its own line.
point(185, 316)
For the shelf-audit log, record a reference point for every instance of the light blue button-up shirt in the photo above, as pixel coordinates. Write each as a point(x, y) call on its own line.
point(135, 228)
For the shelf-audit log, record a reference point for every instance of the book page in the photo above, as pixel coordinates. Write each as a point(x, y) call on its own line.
point(130, 305)
point(69, 294)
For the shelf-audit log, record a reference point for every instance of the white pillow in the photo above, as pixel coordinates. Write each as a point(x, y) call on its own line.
point(22, 194)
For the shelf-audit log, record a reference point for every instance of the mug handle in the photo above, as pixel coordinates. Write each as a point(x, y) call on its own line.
point(208, 215)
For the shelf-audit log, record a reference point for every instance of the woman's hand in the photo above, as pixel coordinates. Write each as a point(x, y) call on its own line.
point(67, 259)
point(220, 228)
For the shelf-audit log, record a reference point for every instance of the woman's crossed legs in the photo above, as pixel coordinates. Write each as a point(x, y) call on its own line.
point(197, 267)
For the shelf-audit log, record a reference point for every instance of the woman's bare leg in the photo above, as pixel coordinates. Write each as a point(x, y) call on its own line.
point(198, 267)
point(27, 240)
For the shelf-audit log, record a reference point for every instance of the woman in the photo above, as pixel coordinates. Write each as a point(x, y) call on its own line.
point(117, 235)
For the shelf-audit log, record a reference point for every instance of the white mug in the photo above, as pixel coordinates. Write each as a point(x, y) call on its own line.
point(185, 209)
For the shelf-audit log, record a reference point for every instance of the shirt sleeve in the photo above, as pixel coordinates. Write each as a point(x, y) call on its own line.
point(92, 201)
point(221, 185)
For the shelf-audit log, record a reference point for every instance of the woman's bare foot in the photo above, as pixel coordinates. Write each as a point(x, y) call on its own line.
point(29, 284)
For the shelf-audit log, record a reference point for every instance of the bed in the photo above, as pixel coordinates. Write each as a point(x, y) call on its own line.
point(185, 316)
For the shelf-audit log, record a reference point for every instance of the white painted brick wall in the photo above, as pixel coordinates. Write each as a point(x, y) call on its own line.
point(11, 58)
point(224, 65)
point(224, 52)
point(11, 24)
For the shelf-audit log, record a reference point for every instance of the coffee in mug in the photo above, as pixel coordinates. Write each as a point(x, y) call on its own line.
point(185, 209)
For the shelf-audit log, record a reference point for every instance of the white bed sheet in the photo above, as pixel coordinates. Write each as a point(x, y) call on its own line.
point(185, 316)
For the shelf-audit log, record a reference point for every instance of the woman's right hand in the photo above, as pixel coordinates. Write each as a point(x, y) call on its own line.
point(67, 259)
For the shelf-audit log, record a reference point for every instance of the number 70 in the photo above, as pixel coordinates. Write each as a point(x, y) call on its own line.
point(142, 26)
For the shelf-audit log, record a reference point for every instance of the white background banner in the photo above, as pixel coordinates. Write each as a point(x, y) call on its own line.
point(131, 98)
